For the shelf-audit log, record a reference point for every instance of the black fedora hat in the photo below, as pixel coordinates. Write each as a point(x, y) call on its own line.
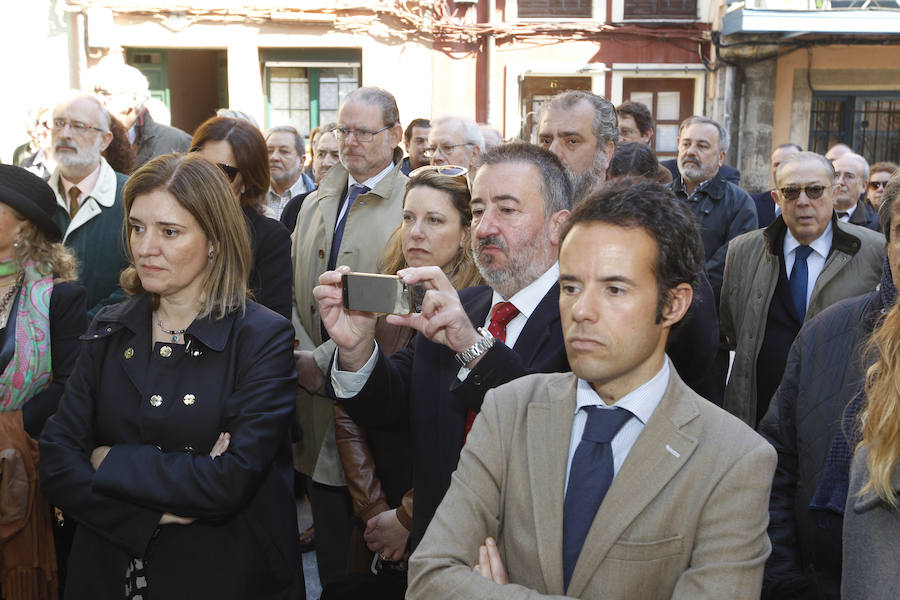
point(31, 197)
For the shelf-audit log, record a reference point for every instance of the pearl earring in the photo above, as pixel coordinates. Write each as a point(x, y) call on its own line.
point(16, 243)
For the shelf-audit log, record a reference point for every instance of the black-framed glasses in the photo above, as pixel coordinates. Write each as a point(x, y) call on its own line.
point(874, 185)
point(230, 172)
point(445, 149)
point(78, 127)
point(361, 135)
point(792, 192)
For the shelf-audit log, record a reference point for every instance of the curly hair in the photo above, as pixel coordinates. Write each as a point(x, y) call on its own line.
point(51, 258)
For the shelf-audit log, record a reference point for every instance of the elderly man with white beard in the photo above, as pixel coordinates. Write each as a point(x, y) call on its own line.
point(89, 197)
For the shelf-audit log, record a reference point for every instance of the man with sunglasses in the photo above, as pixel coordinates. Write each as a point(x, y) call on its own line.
point(779, 277)
point(766, 206)
point(346, 221)
point(852, 173)
point(89, 197)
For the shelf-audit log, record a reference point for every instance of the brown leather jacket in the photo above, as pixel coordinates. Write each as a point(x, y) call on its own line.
point(357, 458)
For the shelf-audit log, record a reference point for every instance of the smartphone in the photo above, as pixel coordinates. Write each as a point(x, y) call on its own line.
point(385, 294)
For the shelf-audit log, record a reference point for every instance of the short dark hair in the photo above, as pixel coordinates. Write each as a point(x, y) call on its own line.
point(423, 123)
point(640, 203)
point(639, 112)
point(556, 186)
point(635, 159)
point(299, 145)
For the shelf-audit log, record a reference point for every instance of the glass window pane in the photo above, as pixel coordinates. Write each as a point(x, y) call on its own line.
point(666, 138)
point(327, 116)
point(299, 94)
point(667, 106)
point(645, 98)
point(328, 95)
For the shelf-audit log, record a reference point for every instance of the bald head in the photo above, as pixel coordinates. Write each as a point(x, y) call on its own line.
point(837, 151)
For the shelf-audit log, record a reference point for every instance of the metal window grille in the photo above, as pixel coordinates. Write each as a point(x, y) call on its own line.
point(554, 8)
point(660, 9)
point(868, 123)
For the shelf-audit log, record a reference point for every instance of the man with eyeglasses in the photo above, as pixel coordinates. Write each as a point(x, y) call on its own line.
point(455, 141)
point(89, 197)
point(779, 277)
point(852, 172)
point(124, 91)
point(346, 221)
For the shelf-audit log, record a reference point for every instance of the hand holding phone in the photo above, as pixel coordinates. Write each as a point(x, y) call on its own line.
point(352, 331)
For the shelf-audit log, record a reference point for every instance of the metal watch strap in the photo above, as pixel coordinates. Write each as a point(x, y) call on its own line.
point(476, 349)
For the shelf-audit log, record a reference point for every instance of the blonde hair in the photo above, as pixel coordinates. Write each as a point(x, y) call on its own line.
point(199, 186)
point(880, 419)
point(51, 258)
point(461, 271)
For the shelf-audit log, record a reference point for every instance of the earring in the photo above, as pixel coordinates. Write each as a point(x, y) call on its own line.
point(16, 243)
point(210, 254)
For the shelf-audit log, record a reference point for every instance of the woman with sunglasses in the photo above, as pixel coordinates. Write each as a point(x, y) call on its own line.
point(434, 231)
point(879, 174)
point(240, 151)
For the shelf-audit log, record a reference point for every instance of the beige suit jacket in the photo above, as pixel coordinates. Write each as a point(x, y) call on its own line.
point(685, 517)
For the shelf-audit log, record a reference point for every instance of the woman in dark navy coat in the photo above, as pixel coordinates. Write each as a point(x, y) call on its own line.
point(171, 444)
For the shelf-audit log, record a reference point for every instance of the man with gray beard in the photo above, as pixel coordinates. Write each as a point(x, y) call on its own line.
point(89, 197)
point(470, 341)
point(724, 210)
point(581, 129)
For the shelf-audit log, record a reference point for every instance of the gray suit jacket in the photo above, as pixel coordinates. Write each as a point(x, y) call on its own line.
point(684, 518)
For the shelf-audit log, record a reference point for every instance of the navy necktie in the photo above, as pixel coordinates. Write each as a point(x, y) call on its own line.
point(800, 279)
point(355, 190)
point(590, 476)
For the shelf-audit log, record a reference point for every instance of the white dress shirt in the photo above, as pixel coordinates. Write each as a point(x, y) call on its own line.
point(370, 183)
point(347, 384)
point(815, 262)
point(640, 402)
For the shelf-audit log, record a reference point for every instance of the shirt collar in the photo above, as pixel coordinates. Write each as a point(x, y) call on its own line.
point(298, 188)
point(371, 182)
point(821, 245)
point(641, 402)
point(528, 298)
point(86, 185)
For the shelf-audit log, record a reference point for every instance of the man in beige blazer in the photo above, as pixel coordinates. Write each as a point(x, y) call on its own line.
point(685, 515)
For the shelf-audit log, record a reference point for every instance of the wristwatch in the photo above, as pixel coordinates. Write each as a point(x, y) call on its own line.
point(477, 349)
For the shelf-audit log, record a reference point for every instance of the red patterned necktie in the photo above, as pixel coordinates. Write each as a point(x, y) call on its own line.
point(501, 314)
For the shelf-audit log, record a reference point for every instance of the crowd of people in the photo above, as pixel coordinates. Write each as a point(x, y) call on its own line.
point(624, 377)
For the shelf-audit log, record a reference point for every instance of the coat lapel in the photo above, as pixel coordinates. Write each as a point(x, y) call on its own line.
point(549, 427)
point(646, 471)
point(539, 327)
